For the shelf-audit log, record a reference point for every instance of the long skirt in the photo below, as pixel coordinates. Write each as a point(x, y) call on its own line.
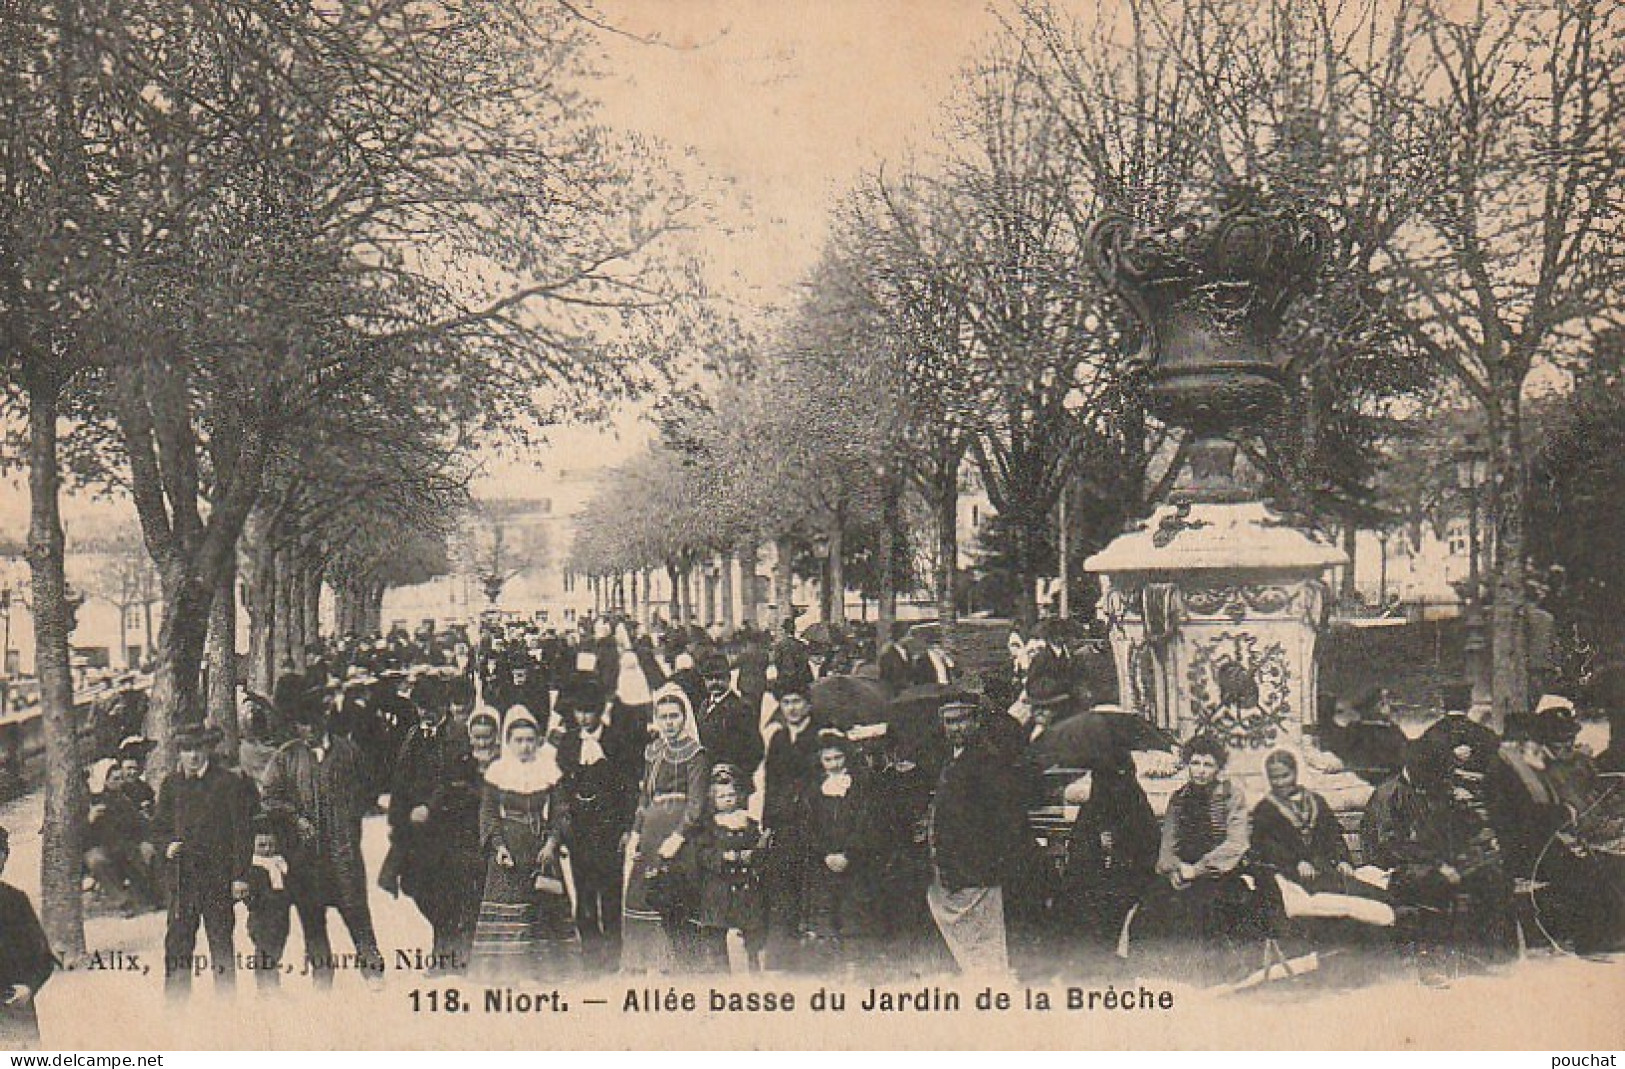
point(648, 917)
point(523, 933)
point(971, 920)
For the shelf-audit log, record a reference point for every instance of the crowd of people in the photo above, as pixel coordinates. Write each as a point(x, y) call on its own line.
point(602, 800)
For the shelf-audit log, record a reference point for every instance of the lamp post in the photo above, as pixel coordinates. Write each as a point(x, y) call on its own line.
point(1072, 403)
point(5, 614)
point(1472, 472)
point(821, 550)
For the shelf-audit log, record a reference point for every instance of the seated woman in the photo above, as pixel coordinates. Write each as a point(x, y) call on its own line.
point(1204, 897)
point(1296, 837)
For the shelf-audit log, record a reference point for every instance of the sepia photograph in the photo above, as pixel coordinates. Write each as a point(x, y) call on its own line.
point(812, 524)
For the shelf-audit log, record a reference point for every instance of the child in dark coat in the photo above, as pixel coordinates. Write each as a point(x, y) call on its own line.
point(730, 875)
point(844, 846)
point(268, 903)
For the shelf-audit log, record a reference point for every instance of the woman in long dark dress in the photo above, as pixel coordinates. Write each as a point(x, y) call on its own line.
point(1297, 839)
point(1202, 910)
point(1111, 852)
point(662, 884)
point(525, 928)
point(26, 962)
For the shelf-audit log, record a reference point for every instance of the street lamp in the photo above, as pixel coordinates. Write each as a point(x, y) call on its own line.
point(1073, 403)
point(5, 614)
point(1472, 473)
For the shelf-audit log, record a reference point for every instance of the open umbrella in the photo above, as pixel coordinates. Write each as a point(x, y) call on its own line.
point(1092, 738)
point(843, 701)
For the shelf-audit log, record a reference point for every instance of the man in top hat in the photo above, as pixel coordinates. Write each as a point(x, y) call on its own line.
point(602, 764)
point(418, 861)
point(26, 962)
point(978, 824)
point(201, 825)
point(790, 655)
point(317, 787)
point(728, 729)
point(791, 770)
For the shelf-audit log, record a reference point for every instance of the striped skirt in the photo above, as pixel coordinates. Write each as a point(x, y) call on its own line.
point(522, 933)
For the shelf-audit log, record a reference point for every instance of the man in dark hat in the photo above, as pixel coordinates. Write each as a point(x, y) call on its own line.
point(728, 730)
point(790, 655)
point(1607, 695)
point(26, 962)
point(602, 764)
point(978, 824)
point(1448, 880)
point(132, 758)
point(1579, 860)
point(317, 787)
point(791, 771)
point(419, 837)
point(202, 827)
point(1050, 669)
point(1473, 747)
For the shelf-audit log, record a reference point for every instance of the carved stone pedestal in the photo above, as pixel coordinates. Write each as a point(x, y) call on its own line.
point(1214, 610)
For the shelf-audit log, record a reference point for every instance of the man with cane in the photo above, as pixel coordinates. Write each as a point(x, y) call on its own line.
point(201, 825)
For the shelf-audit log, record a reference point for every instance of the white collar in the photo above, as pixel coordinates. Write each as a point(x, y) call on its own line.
point(525, 777)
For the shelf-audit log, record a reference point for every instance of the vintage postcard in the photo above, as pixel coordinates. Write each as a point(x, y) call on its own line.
point(812, 524)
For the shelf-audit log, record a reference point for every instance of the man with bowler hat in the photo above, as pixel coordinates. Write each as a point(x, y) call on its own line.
point(201, 828)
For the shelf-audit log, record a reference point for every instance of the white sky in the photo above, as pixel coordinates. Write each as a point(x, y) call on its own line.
point(784, 103)
point(777, 106)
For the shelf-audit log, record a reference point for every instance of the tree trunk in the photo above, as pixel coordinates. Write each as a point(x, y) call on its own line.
point(837, 577)
point(729, 621)
point(182, 634)
point(1026, 577)
point(259, 600)
point(676, 594)
point(1349, 590)
point(313, 603)
point(1509, 641)
point(223, 660)
point(783, 590)
point(891, 512)
point(375, 608)
point(63, 850)
point(296, 608)
point(947, 519)
point(747, 586)
point(146, 631)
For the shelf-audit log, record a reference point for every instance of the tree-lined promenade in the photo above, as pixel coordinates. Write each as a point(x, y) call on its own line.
point(268, 272)
point(1463, 158)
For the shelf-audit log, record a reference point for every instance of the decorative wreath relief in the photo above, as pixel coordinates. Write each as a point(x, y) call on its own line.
point(1239, 689)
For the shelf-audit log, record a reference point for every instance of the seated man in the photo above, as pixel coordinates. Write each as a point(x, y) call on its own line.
point(118, 851)
point(1578, 898)
point(1446, 877)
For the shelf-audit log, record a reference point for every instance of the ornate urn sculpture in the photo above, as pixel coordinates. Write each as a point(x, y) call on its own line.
point(1215, 603)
